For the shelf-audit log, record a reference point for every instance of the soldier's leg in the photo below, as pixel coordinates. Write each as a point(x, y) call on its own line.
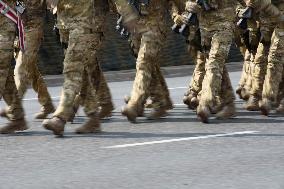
point(27, 71)
point(274, 72)
point(227, 96)
point(164, 88)
point(150, 48)
point(241, 90)
point(90, 102)
point(104, 95)
point(81, 43)
point(259, 67)
point(258, 74)
point(211, 86)
point(196, 81)
point(281, 90)
point(73, 74)
point(159, 94)
point(8, 91)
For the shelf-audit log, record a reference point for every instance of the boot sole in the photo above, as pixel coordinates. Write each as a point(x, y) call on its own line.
point(14, 131)
point(55, 132)
point(131, 119)
point(203, 117)
point(264, 111)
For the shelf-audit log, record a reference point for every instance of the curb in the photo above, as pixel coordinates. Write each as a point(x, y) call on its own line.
point(129, 75)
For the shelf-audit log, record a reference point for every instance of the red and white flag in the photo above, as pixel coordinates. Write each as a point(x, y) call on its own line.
point(15, 17)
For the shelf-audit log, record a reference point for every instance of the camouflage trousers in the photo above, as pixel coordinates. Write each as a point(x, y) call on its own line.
point(274, 75)
point(8, 88)
point(246, 76)
point(258, 70)
point(103, 95)
point(80, 67)
point(199, 59)
point(195, 87)
point(26, 70)
point(219, 43)
point(149, 80)
point(259, 65)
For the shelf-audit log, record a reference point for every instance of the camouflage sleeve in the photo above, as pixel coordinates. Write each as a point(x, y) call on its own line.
point(192, 6)
point(265, 6)
point(127, 11)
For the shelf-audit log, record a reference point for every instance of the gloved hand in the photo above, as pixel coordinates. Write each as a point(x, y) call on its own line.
point(179, 20)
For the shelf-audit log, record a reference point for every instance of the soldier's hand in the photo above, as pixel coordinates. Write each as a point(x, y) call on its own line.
point(179, 20)
point(51, 4)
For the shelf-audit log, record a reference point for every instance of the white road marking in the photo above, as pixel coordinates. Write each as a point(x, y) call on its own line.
point(180, 139)
point(179, 104)
point(31, 99)
point(173, 88)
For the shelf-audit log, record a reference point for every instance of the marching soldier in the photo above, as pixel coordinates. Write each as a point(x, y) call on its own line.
point(76, 27)
point(26, 70)
point(217, 27)
point(152, 40)
point(274, 75)
point(9, 20)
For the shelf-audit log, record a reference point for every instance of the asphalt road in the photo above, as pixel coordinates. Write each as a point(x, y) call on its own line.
point(177, 152)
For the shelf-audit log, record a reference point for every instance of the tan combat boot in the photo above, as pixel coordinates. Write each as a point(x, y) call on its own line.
point(280, 108)
point(244, 95)
point(55, 124)
point(157, 113)
point(91, 126)
point(227, 112)
point(203, 113)
point(13, 126)
point(106, 110)
point(253, 103)
point(239, 91)
point(140, 110)
point(45, 111)
point(188, 98)
point(265, 106)
point(194, 103)
point(162, 108)
point(3, 113)
point(130, 112)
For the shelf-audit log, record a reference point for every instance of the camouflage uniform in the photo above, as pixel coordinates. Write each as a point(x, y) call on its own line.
point(259, 65)
point(245, 83)
point(274, 75)
point(8, 90)
point(103, 94)
point(158, 85)
point(178, 8)
point(152, 41)
point(26, 70)
point(76, 27)
point(193, 94)
point(217, 29)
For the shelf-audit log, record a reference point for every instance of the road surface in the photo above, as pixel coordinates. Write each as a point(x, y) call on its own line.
point(177, 152)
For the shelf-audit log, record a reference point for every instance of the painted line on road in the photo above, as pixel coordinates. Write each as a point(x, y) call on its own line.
point(179, 105)
point(31, 99)
point(173, 88)
point(180, 139)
